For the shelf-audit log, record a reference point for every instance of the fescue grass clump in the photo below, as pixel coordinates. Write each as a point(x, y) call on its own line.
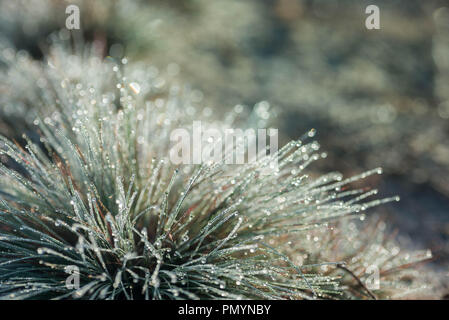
point(92, 189)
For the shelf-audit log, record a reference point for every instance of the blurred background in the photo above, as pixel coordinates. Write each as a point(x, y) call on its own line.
point(376, 97)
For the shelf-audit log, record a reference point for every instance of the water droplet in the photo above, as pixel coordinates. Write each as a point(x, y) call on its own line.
point(135, 87)
point(311, 133)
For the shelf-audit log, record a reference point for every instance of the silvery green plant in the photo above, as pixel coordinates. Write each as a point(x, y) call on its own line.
point(93, 189)
point(372, 106)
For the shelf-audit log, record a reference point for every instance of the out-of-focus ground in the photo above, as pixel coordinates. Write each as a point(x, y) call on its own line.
point(376, 97)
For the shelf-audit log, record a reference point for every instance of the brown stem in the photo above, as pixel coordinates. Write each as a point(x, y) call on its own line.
point(341, 266)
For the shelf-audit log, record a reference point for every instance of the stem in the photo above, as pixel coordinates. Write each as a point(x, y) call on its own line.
point(370, 293)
